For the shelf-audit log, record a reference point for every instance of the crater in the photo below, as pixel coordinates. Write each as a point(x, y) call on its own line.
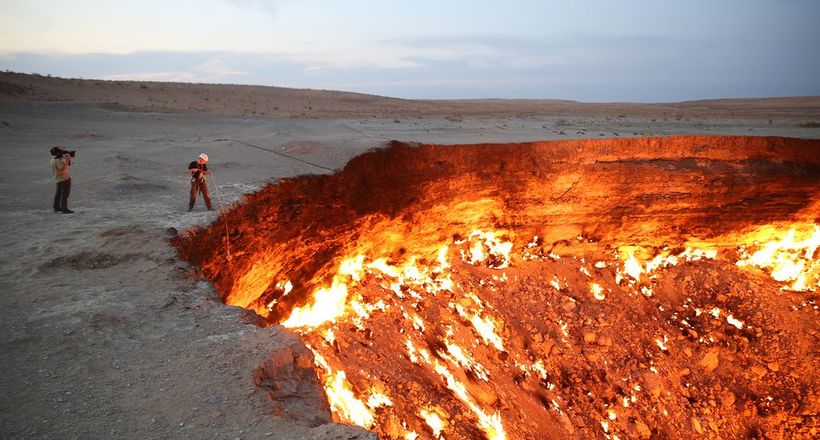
point(581, 287)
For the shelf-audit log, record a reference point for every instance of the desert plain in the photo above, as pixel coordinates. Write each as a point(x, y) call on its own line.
point(107, 333)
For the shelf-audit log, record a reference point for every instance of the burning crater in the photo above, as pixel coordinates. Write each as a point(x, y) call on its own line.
point(624, 288)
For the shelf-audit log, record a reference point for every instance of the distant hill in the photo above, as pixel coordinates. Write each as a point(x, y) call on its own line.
point(227, 99)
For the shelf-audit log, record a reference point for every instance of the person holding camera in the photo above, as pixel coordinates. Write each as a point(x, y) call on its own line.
point(198, 170)
point(60, 164)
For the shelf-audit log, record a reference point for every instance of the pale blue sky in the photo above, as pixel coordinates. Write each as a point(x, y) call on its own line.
point(588, 50)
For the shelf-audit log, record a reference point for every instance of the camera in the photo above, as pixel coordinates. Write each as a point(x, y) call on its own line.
point(59, 152)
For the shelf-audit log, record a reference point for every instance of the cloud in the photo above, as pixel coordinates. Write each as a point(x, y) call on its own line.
point(153, 76)
point(216, 68)
point(582, 68)
point(213, 70)
point(522, 52)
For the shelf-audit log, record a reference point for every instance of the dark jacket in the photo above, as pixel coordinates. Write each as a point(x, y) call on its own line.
point(196, 166)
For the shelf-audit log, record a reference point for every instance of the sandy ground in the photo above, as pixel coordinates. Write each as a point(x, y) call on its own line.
point(106, 334)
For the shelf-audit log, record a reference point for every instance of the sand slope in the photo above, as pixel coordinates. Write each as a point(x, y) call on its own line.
point(278, 101)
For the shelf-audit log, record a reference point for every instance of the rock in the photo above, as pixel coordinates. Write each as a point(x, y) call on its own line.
point(546, 346)
point(727, 399)
point(605, 340)
point(696, 425)
point(758, 372)
point(485, 395)
point(592, 357)
point(568, 306)
point(652, 382)
point(392, 428)
point(289, 378)
point(710, 360)
point(567, 424)
point(643, 431)
point(589, 336)
point(774, 366)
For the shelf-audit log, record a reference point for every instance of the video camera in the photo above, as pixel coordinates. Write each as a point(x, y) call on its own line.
point(59, 152)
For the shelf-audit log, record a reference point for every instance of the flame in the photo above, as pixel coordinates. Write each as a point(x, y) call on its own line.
point(538, 367)
point(328, 304)
point(631, 265)
point(489, 423)
point(418, 334)
point(597, 291)
point(787, 252)
point(488, 249)
point(330, 336)
point(791, 259)
point(457, 356)
point(378, 399)
point(341, 397)
point(411, 351)
point(484, 326)
point(735, 322)
point(433, 421)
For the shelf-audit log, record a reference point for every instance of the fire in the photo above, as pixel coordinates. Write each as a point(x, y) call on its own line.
point(631, 266)
point(787, 253)
point(489, 423)
point(433, 421)
point(792, 259)
point(430, 312)
point(423, 275)
point(328, 303)
point(486, 328)
point(341, 397)
point(488, 249)
point(597, 291)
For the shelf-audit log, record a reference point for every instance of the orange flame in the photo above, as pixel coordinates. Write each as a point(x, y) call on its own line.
point(341, 397)
point(792, 259)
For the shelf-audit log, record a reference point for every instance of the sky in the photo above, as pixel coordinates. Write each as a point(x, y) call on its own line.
point(584, 50)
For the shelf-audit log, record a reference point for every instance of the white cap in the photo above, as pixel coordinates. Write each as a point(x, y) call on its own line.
point(204, 157)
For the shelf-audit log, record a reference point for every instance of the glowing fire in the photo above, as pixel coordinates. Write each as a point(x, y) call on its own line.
point(341, 397)
point(792, 259)
point(433, 421)
point(328, 304)
point(497, 302)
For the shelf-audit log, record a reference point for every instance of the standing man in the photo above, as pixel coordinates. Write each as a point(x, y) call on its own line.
point(60, 164)
point(198, 170)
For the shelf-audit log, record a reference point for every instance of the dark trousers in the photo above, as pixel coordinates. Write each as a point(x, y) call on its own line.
point(61, 197)
point(197, 186)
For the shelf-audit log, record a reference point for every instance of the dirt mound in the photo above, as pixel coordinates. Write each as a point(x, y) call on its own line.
point(581, 288)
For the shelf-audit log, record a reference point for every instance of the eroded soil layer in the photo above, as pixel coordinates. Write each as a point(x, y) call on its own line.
point(577, 288)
